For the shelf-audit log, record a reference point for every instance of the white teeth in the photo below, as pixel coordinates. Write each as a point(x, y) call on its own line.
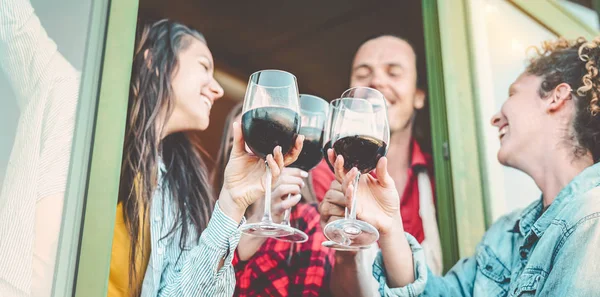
point(207, 101)
point(503, 131)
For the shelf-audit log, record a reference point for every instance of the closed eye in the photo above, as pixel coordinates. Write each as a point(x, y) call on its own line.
point(205, 66)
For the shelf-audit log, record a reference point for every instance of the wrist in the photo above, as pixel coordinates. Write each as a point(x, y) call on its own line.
point(230, 207)
point(345, 257)
point(248, 246)
point(394, 229)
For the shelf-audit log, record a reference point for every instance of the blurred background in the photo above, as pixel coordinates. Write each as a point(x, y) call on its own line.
point(468, 53)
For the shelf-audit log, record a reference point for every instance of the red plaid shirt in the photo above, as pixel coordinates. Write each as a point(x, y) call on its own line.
point(288, 269)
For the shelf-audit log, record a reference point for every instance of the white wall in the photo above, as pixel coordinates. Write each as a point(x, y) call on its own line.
point(501, 35)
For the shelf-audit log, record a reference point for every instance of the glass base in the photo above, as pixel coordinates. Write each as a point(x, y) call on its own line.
point(297, 237)
point(338, 247)
point(351, 233)
point(267, 229)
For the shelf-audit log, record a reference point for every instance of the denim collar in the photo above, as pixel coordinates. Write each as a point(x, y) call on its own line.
point(535, 219)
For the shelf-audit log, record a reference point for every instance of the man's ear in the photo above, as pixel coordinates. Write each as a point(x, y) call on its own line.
point(419, 100)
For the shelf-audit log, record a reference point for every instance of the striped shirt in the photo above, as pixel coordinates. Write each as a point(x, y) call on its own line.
point(193, 271)
point(46, 88)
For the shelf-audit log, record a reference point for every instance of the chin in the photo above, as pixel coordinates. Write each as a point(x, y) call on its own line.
point(202, 120)
point(200, 124)
point(203, 125)
point(395, 126)
point(503, 157)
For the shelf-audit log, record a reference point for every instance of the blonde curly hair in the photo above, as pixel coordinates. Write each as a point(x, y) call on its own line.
point(576, 63)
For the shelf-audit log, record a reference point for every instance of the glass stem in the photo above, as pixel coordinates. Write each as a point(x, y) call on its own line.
point(353, 209)
point(267, 214)
point(286, 216)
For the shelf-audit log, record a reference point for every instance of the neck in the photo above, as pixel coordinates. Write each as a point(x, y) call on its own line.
point(399, 149)
point(557, 168)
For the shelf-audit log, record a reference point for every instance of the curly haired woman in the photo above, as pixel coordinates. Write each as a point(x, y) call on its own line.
point(549, 128)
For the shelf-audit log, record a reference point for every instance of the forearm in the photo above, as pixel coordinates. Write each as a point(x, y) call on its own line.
point(348, 278)
point(248, 246)
point(25, 48)
point(397, 257)
point(207, 269)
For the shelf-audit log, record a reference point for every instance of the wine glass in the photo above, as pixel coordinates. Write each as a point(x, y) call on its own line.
point(334, 108)
point(313, 114)
point(360, 133)
point(270, 118)
point(333, 112)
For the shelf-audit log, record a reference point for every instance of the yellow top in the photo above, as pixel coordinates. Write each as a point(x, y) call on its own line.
point(118, 282)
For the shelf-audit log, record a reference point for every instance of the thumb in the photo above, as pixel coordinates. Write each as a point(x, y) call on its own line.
point(239, 146)
point(383, 177)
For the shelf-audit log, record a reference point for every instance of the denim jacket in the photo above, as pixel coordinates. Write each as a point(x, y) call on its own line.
point(527, 253)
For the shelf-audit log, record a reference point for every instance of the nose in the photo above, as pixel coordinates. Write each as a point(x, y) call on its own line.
point(215, 91)
point(376, 81)
point(497, 120)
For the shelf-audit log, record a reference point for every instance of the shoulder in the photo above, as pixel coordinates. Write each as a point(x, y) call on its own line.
point(580, 211)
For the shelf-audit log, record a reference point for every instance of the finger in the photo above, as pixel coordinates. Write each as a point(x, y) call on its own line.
point(282, 191)
point(331, 156)
point(349, 179)
point(294, 172)
point(294, 152)
point(327, 210)
point(321, 212)
point(275, 170)
point(384, 178)
point(339, 168)
point(239, 146)
point(278, 156)
point(335, 197)
point(289, 203)
point(290, 180)
point(335, 185)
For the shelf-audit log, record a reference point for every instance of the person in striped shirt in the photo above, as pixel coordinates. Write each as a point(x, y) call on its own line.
point(166, 241)
point(46, 90)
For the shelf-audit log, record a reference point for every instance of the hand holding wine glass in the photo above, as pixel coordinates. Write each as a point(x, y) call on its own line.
point(290, 182)
point(380, 206)
point(244, 177)
point(379, 203)
point(359, 133)
point(271, 120)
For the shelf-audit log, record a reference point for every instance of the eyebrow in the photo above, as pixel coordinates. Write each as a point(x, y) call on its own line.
point(393, 64)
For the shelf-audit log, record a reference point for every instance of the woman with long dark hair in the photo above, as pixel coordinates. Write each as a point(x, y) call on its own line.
point(166, 241)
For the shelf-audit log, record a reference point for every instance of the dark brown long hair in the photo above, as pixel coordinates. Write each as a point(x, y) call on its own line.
point(151, 103)
point(225, 148)
point(575, 63)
